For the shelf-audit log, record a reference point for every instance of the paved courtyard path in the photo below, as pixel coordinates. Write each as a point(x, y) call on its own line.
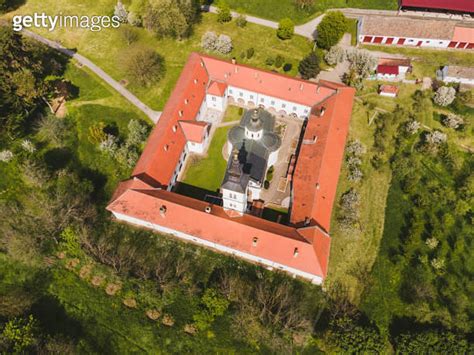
point(153, 115)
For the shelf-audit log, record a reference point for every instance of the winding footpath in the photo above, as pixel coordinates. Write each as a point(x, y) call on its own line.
point(153, 115)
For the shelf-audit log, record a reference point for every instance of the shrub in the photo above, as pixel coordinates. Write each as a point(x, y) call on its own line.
point(309, 66)
point(6, 156)
point(356, 148)
point(269, 61)
point(250, 52)
point(223, 12)
point(331, 29)
point(134, 19)
point(109, 145)
point(28, 146)
point(431, 342)
point(444, 96)
point(279, 60)
point(52, 129)
point(453, 121)
point(208, 41)
point(224, 44)
point(241, 21)
point(412, 127)
point(129, 34)
point(287, 67)
point(286, 29)
point(96, 133)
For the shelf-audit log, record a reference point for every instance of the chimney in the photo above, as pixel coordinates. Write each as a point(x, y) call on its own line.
point(162, 210)
point(318, 89)
point(233, 60)
point(306, 221)
point(301, 86)
point(207, 209)
point(295, 252)
point(317, 186)
point(254, 241)
point(321, 112)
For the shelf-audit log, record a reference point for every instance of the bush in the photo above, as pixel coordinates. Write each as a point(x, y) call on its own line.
point(287, 67)
point(137, 132)
point(309, 66)
point(97, 133)
point(129, 34)
point(241, 21)
point(331, 29)
point(250, 52)
point(223, 12)
point(431, 342)
point(269, 61)
point(224, 44)
point(208, 41)
point(286, 29)
point(444, 96)
point(335, 55)
point(243, 55)
point(279, 60)
point(121, 12)
point(453, 121)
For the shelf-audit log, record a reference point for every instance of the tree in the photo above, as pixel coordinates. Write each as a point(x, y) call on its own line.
point(142, 64)
point(223, 12)
point(335, 55)
point(354, 338)
point(250, 52)
point(209, 40)
point(279, 60)
point(52, 129)
point(309, 66)
point(173, 18)
point(137, 133)
point(121, 12)
point(331, 29)
point(286, 28)
point(20, 334)
point(431, 342)
point(361, 64)
point(224, 44)
point(412, 127)
point(444, 96)
point(129, 34)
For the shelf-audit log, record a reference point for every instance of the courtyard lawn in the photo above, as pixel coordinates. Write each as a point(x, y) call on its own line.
point(232, 114)
point(207, 173)
point(426, 61)
point(106, 48)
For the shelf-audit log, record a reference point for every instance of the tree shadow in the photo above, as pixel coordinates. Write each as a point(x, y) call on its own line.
point(58, 158)
point(195, 192)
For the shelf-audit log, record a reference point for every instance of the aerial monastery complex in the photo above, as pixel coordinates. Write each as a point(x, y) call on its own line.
point(231, 219)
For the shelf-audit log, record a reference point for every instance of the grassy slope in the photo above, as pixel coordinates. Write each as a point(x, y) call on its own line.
point(354, 253)
point(276, 10)
point(105, 48)
point(98, 102)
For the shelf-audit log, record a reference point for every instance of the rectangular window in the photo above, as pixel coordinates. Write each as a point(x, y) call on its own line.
point(294, 108)
point(241, 94)
point(230, 91)
point(213, 98)
point(251, 96)
point(273, 102)
point(261, 100)
point(283, 105)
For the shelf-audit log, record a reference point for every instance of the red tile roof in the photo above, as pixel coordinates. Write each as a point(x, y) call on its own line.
point(319, 160)
point(389, 89)
point(217, 88)
point(167, 141)
point(314, 181)
point(402, 62)
point(387, 69)
point(273, 84)
point(453, 5)
point(194, 131)
point(275, 242)
point(463, 34)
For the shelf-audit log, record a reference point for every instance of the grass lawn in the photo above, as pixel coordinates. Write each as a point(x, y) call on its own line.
point(207, 173)
point(353, 254)
point(107, 47)
point(98, 102)
point(426, 61)
point(232, 114)
point(276, 10)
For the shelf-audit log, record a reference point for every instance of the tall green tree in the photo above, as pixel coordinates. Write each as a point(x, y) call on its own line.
point(331, 29)
point(286, 29)
point(309, 66)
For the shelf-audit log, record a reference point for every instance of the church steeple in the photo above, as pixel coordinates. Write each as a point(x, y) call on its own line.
point(235, 170)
